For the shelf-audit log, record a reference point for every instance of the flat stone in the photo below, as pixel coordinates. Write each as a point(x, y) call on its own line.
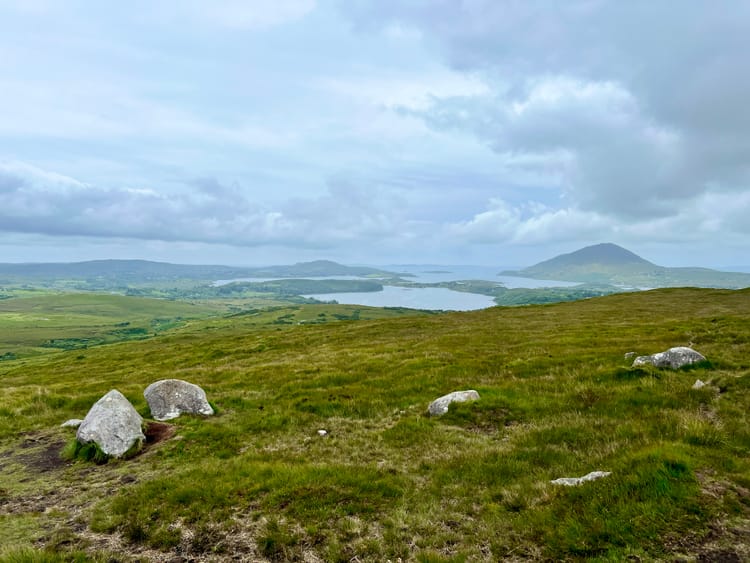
point(169, 398)
point(439, 406)
point(674, 358)
point(575, 481)
point(72, 423)
point(113, 424)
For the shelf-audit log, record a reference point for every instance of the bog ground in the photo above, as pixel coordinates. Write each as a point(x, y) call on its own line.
point(257, 481)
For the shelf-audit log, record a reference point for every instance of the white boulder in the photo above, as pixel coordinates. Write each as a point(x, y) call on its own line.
point(440, 405)
point(112, 424)
point(674, 358)
point(169, 398)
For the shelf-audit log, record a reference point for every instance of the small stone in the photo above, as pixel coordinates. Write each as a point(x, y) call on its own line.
point(698, 384)
point(439, 406)
point(322, 432)
point(575, 481)
point(629, 355)
point(71, 423)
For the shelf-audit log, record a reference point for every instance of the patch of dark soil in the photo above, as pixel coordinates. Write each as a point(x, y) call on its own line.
point(719, 556)
point(156, 432)
point(31, 440)
point(48, 458)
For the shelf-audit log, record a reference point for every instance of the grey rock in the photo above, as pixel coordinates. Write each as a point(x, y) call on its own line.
point(169, 398)
point(72, 423)
point(113, 424)
point(575, 481)
point(698, 384)
point(439, 406)
point(674, 358)
point(629, 355)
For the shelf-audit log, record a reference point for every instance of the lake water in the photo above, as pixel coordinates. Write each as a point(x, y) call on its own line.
point(438, 273)
point(434, 298)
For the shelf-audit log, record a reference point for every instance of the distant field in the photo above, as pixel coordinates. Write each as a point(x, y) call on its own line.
point(40, 322)
point(257, 482)
point(35, 324)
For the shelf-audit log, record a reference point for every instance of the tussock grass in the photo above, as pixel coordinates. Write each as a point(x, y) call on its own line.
point(387, 481)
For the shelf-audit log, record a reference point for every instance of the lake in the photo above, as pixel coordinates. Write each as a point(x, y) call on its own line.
point(414, 298)
point(434, 298)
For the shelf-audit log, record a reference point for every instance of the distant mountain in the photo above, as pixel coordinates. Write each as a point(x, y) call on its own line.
point(144, 271)
point(611, 264)
point(319, 268)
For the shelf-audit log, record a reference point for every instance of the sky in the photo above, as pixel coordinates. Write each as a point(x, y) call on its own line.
point(490, 132)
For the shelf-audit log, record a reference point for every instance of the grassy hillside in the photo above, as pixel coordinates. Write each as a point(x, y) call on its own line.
point(257, 482)
point(37, 322)
point(40, 322)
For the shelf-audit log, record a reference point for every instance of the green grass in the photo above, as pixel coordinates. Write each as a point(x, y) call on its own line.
point(41, 322)
point(557, 399)
point(45, 322)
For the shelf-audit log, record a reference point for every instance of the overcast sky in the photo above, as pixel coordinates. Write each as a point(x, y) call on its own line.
point(374, 131)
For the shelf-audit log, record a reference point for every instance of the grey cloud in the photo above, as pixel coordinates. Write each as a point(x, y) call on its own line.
point(670, 122)
point(35, 201)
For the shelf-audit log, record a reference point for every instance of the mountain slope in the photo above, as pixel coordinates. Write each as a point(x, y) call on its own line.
point(611, 264)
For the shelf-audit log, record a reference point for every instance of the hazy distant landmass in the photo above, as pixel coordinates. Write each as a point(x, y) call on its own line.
point(143, 271)
point(319, 268)
point(609, 263)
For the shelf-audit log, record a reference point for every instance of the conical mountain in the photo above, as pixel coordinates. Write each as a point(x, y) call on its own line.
point(609, 263)
point(604, 253)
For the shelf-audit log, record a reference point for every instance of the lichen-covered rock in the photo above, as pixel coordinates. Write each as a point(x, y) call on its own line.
point(112, 424)
point(169, 398)
point(439, 406)
point(674, 358)
point(575, 481)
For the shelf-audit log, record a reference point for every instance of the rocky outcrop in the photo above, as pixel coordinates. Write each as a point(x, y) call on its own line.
point(440, 405)
point(674, 358)
point(169, 398)
point(112, 424)
point(575, 481)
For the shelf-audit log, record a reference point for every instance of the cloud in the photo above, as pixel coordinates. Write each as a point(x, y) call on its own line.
point(39, 202)
point(647, 101)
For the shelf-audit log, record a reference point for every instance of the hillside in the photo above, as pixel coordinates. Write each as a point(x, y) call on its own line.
point(611, 264)
point(257, 482)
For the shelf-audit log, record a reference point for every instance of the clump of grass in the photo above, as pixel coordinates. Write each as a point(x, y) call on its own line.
point(92, 452)
point(75, 450)
point(278, 542)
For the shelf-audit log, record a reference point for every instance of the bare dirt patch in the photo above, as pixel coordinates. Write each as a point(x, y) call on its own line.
point(45, 458)
point(156, 432)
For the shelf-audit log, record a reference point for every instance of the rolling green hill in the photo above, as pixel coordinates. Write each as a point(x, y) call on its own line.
point(257, 482)
point(611, 264)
